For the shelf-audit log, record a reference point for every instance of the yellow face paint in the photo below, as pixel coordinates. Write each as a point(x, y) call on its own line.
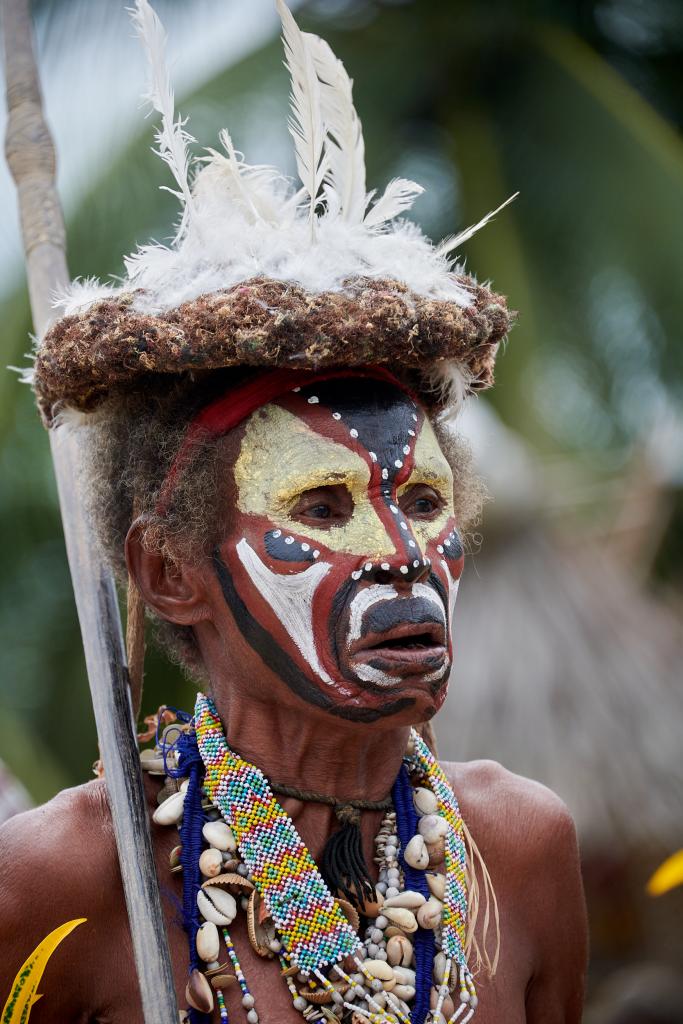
point(431, 468)
point(270, 480)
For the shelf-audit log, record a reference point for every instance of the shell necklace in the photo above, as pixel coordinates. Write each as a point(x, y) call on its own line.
point(410, 967)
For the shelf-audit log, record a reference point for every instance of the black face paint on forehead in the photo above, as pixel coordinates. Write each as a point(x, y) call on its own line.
point(379, 416)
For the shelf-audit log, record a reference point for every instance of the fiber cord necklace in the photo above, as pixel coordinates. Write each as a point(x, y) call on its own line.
point(240, 850)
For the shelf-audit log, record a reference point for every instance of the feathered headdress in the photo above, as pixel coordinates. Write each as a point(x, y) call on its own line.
point(261, 273)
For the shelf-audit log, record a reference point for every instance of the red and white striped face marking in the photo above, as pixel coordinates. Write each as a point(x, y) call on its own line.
point(343, 561)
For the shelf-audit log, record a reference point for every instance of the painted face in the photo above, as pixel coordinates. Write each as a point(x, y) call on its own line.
point(342, 564)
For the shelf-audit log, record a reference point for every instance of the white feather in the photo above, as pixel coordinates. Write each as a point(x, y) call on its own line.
point(171, 137)
point(453, 241)
point(399, 195)
point(254, 188)
point(344, 143)
point(250, 221)
point(306, 123)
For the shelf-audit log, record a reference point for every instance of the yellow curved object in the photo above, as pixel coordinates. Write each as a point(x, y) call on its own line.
point(667, 876)
point(23, 995)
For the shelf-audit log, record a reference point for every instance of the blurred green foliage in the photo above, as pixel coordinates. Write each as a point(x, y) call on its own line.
point(574, 105)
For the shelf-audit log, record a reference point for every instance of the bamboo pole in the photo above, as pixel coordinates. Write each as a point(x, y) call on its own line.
point(31, 158)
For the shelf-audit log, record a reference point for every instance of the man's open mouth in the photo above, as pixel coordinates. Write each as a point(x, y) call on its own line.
point(405, 649)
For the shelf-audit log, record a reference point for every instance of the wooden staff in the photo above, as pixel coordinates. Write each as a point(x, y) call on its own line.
point(31, 158)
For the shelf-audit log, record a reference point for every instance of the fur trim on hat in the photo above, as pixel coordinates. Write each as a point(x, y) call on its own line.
point(444, 349)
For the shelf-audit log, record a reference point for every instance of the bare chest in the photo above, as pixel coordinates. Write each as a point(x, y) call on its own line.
point(116, 998)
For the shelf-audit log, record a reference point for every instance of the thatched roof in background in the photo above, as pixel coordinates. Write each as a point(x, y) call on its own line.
point(566, 671)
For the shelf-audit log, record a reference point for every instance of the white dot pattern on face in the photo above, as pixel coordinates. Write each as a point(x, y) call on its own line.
point(385, 566)
point(305, 547)
point(439, 548)
point(404, 568)
point(406, 449)
point(398, 463)
point(316, 553)
point(313, 400)
point(404, 526)
point(277, 533)
point(394, 509)
point(385, 474)
point(289, 540)
point(353, 432)
point(336, 415)
point(416, 563)
point(373, 456)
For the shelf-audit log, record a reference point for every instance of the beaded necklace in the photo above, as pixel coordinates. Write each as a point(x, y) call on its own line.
point(412, 959)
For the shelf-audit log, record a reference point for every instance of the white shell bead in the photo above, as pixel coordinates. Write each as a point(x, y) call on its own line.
point(219, 835)
point(416, 853)
point(404, 976)
point(208, 942)
point(171, 811)
point(399, 950)
point(404, 919)
point(432, 827)
point(379, 969)
point(429, 915)
point(409, 899)
point(211, 863)
point(425, 801)
point(404, 991)
point(217, 906)
point(437, 884)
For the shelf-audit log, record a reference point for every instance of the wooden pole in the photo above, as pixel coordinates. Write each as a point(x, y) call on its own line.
point(31, 158)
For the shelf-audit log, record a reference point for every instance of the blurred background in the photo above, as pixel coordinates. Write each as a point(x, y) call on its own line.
point(569, 627)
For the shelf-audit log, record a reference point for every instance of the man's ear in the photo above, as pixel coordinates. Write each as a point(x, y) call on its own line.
point(175, 591)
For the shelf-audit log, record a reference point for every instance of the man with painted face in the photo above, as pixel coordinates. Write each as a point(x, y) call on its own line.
point(263, 410)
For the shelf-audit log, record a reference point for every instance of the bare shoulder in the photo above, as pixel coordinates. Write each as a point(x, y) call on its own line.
point(527, 839)
point(74, 828)
point(57, 863)
point(507, 812)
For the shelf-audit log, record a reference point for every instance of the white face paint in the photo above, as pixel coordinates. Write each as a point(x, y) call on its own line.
point(365, 599)
point(453, 587)
point(291, 598)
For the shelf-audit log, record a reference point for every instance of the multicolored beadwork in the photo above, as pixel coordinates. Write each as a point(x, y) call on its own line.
point(454, 922)
point(310, 924)
point(307, 929)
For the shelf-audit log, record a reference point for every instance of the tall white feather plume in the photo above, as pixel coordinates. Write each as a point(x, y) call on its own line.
point(399, 195)
point(241, 221)
point(251, 187)
point(453, 241)
point(171, 137)
point(306, 122)
point(344, 143)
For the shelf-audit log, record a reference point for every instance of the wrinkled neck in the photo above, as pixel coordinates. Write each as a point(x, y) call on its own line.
point(311, 751)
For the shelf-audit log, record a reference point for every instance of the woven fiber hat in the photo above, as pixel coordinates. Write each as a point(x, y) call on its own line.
point(264, 274)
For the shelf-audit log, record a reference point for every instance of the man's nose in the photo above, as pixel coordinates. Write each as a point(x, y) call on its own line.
point(397, 571)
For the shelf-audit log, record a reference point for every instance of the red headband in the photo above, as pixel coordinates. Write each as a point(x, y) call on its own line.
point(226, 412)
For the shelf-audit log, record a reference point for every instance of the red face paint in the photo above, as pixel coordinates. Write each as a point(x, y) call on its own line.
point(343, 560)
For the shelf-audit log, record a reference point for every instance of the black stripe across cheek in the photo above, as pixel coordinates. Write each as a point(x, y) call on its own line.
point(261, 641)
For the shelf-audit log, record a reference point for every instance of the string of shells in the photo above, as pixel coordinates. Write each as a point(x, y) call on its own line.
point(379, 979)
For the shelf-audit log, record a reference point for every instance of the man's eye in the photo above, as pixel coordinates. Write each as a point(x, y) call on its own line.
point(423, 506)
point(317, 512)
point(421, 502)
point(330, 506)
